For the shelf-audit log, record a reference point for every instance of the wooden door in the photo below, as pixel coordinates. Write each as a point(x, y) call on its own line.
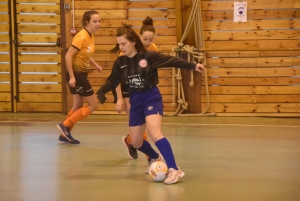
point(5, 51)
point(37, 41)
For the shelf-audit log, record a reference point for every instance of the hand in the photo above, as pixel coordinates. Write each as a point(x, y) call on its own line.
point(72, 82)
point(99, 68)
point(200, 68)
point(101, 95)
point(120, 105)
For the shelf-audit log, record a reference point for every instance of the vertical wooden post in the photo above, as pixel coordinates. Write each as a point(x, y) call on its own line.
point(192, 94)
point(67, 97)
point(178, 12)
point(14, 53)
point(186, 11)
point(63, 52)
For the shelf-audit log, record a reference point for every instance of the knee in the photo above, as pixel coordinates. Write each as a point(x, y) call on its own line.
point(136, 144)
point(94, 107)
point(156, 136)
point(77, 106)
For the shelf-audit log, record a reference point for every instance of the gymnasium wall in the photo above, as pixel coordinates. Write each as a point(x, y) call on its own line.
point(30, 56)
point(5, 78)
point(253, 66)
point(113, 13)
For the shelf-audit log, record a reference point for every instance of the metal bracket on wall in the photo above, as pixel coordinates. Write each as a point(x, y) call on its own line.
point(67, 6)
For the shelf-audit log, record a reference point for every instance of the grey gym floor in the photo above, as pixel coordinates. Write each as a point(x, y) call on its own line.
point(225, 159)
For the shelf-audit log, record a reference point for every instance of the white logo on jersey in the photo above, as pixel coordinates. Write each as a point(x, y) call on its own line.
point(150, 108)
point(135, 81)
point(89, 49)
point(124, 66)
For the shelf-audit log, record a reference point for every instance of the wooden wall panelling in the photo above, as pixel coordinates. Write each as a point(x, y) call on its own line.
point(4, 27)
point(116, 22)
point(113, 14)
point(279, 44)
point(255, 81)
point(4, 9)
point(252, 35)
point(252, 14)
point(39, 56)
point(5, 52)
point(269, 4)
point(33, 19)
point(257, 107)
point(253, 67)
point(254, 98)
point(38, 1)
point(252, 24)
point(255, 53)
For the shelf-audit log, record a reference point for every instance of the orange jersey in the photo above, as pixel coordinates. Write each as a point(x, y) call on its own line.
point(84, 42)
point(153, 47)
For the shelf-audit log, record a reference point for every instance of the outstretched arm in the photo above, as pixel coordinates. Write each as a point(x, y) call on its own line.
point(161, 60)
point(199, 68)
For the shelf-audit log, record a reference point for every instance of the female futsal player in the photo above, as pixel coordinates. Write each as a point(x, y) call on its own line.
point(78, 60)
point(137, 68)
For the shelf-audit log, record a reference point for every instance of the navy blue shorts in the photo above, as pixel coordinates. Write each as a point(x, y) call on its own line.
point(143, 104)
point(83, 86)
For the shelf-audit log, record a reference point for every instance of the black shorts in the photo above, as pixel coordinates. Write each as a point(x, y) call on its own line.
point(125, 92)
point(83, 86)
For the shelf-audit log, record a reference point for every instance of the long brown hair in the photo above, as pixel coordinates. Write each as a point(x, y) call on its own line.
point(127, 31)
point(87, 17)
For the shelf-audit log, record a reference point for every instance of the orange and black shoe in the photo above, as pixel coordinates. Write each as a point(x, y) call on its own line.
point(132, 152)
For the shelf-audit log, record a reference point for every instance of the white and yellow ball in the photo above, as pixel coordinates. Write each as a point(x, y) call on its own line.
point(158, 171)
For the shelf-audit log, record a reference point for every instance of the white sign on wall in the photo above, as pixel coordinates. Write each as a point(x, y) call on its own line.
point(240, 12)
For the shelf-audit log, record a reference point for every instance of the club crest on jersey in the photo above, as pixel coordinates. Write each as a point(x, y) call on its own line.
point(143, 63)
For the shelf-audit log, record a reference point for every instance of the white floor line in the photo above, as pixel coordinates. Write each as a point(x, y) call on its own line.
point(184, 124)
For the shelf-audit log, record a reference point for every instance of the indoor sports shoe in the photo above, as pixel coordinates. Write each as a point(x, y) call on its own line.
point(173, 176)
point(63, 139)
point(65, 131)
point(160, 158)
point(149, 160)
point(132, 152)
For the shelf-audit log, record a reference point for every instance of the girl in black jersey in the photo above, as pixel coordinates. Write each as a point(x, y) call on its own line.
point(147, 35)
point(138, 69)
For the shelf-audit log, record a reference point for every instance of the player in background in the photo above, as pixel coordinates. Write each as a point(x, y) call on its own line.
point(78, 61)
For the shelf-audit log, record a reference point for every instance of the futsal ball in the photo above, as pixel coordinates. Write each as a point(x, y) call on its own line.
point(158, 171)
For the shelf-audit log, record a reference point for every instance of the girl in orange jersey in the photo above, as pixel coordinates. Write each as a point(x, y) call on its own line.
point(78, 60)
